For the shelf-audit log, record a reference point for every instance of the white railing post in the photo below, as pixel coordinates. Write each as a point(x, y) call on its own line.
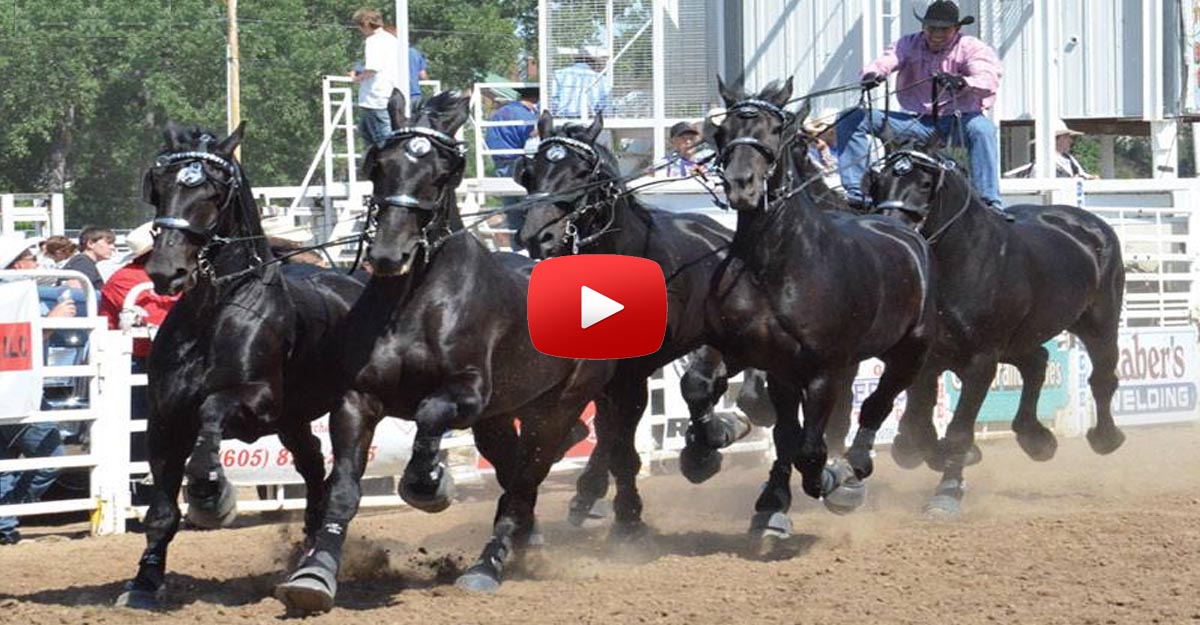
point(110, 431)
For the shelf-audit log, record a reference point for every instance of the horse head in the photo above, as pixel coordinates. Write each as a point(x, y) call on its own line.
point(910, 183)
point(415, 175)
point(562, 181)
point(194, 184)
point(751, 142)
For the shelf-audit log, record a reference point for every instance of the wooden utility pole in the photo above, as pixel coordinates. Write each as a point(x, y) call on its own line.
point(233, 76)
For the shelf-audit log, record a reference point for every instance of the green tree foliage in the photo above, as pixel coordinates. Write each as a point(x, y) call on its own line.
point(89, 84)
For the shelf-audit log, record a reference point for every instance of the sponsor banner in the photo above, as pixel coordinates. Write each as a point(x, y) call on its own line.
point(865, 383)
point(266, 461)
point(20, 349)
point(1158, 369)
point(1004, 396)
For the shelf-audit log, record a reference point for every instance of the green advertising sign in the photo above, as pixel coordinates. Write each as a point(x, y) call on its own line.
point(1005, 394)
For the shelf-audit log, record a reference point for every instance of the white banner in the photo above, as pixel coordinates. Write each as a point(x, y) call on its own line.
point(265, 461)
point(20, 349)
point(1158, 368)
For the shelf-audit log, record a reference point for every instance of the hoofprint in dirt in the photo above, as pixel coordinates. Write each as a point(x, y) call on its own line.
point(1082, 539)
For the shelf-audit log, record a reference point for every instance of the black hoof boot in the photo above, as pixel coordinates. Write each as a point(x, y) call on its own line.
point(698, 463)
point(586, 512)
point(211, 504)
point(312, 588)
point(1105, 441)
point(429, 491)
point(1038, 443)
point(141, 594)
point(908, 453)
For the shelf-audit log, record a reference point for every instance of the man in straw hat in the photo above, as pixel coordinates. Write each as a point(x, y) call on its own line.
point(968, 73)
point(1065, 164)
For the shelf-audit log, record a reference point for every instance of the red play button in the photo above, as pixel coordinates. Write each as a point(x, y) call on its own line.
point(597, 306)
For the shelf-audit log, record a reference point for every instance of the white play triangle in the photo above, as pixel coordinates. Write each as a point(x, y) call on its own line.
point(594, 307)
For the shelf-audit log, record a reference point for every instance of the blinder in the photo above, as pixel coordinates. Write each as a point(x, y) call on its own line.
point(420, 142)
point(191, 176)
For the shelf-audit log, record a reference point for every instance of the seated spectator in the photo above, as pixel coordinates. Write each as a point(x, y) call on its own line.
point(1065, 163)
point(95, 244)
point(684, 138)
point(33, 440)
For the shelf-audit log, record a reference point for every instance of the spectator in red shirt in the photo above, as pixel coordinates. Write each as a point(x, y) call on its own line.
point(151, 308)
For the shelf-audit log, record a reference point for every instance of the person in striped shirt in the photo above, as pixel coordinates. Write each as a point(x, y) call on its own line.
point(582, 84)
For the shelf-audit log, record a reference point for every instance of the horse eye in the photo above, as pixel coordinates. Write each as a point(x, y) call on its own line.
point(419, 146)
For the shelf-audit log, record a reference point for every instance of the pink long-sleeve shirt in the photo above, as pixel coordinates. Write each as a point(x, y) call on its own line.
point(914, 62)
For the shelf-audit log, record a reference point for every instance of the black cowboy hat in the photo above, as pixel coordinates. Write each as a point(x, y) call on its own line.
point(942, 14)
point(531, 92)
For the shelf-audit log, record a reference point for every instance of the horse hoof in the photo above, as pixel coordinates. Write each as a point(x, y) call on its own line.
point(1105, 442)
point(215, 511)
point(698, 463)
point(975, 455)
point(140, 599)
point(478, 581)
point(774, 524)
point(847, 497)
point(1039, 444)
point(424, 496)
point(860, 462)
point(628, 532)
point(943, 508)
point(309, 590)
point(908, 455)
point(585, 512)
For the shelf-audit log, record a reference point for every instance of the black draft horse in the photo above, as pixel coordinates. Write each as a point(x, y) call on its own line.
point(587, 208)
point(440, 336)
point(806, 295)
point(240, 353)
point(1004, 289)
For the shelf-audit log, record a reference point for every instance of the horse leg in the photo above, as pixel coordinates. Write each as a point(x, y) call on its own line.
point(702, 386)
point(820, 399)
point(838, 427)
point(844, 490)
point(771, 508)
point(426, 483)
point(212, 500)
point(310, 463)
point(1101, 345)
point(916, 440)
point(1036, 439)
point(960, 436)
point(591, 486)
point(514, 521)
point(628, 396)
point(167, 452)
point(312, 586)
point(752, 399)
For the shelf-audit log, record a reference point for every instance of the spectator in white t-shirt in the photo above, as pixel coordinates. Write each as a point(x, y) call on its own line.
point(380, 74)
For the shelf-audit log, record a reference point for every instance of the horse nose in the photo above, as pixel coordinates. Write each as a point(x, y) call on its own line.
point(169, 283)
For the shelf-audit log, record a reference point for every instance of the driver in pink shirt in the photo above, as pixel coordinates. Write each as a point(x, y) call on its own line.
point(967, 72)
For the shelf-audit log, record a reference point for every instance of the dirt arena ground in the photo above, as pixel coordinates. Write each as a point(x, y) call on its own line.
point(1081, 539)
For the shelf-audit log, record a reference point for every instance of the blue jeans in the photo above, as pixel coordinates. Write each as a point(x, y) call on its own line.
point(977, 132)
point(374, 125)
point(37, 440)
